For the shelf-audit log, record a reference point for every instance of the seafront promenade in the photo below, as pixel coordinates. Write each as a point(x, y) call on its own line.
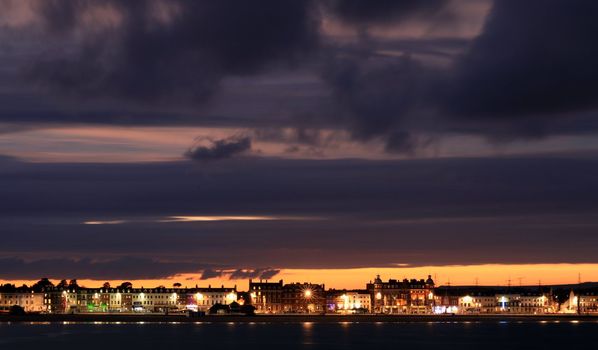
point(333, 318)
point(401, 298)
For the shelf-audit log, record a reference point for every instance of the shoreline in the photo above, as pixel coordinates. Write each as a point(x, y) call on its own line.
point(92, 318)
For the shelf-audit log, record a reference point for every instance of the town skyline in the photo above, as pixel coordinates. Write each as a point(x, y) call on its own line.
point(407, 297)
point(310, 140)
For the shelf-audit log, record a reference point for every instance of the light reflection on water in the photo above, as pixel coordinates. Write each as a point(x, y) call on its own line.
point(498, 334)
point(304, 323)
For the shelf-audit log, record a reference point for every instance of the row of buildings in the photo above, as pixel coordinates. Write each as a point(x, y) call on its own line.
point(154, 300)
point(74, 299)
point(379, 297)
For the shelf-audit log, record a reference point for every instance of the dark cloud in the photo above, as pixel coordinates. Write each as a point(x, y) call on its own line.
point(61, 16)
point(382, 11)
point(209, 273)
point(348, 213)
point(85, 268)
point(534, 58)
point(400, 142)
point(117, 268)
point(373, 97)
point(379, 96)
point(528, 74)
point(183, 56)
point(268, 274)
point(246, 185)
point(257, 273)
point(220, 149)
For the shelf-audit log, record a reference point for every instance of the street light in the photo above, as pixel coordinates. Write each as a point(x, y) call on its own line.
point(307, 294)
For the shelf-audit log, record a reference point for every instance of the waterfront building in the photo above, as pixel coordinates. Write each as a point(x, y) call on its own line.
point(581, 302)
point(266, 296)
point(202, 299)
point(348, 301)
point(144, 300)
point(391, 297)
point(402, 297)
point(588, 302)
point(28, 300)
point(477, 303)
point(495, 300)
point(277, 297)
point(536, 303)
point(303, 298)
point(512, 303)
point(525, 303)
point(446, 304)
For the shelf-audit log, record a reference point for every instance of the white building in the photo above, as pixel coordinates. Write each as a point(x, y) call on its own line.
point(349, 302)
point(478, 304)
point(29, 301)
point(528, 303)
point(204, 298)
point(144, 300)
point(535, 304)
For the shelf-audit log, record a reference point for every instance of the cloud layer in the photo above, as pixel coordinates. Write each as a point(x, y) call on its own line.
point(396, 78)
point(169, 49)
point(344, 64)
point(421, 212)
point(220, 149)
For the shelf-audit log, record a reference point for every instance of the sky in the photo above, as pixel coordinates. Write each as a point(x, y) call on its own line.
point(203, 142)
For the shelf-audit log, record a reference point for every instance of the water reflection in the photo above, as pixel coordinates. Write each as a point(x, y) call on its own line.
point(307, 333)
point(544, 334)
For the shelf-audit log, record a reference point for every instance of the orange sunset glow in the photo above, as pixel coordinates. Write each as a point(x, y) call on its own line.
point(490, 275)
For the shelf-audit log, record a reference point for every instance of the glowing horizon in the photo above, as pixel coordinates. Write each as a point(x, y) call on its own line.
point(463, 275)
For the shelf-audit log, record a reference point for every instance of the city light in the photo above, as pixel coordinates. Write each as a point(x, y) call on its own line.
point(392, 297)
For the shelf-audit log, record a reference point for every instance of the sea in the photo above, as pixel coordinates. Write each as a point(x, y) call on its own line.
point(502, 335)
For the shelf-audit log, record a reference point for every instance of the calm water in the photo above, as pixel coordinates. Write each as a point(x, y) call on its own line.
point(461, 335)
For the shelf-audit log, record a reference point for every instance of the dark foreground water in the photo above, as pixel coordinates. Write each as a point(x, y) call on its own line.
point(301, 335)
